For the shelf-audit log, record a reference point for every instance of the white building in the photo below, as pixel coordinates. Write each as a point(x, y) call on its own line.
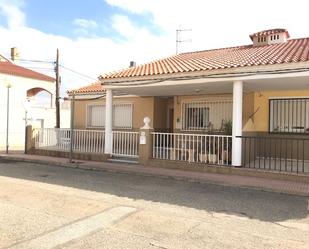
point(19, 88)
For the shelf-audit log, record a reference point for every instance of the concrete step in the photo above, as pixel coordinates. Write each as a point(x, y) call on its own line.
point(120, 159)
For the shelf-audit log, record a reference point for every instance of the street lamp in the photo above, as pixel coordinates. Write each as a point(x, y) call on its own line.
point(8, 85)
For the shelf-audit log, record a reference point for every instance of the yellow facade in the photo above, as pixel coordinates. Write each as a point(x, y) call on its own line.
point(261, 106)
point(142, 107)
point(160, 109)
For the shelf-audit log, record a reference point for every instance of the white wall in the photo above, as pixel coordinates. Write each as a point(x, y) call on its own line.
point(18, 94)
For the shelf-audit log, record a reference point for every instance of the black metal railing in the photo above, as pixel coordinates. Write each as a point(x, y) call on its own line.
point(287, 154)
point(288, 115)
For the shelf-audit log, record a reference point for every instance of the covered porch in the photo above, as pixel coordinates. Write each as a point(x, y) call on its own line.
point(212, 118)
point(257, 122)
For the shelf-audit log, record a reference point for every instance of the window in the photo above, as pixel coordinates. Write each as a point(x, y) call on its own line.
point(206, 115)
point(96, 116)
point(122, 116)
point(289, 115)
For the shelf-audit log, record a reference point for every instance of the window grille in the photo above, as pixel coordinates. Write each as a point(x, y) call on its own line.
point(122, 116)
point(206, 115)
point(289, 115)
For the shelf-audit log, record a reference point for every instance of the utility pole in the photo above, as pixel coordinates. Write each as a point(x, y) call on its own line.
point(178, 38)
point(57, 90)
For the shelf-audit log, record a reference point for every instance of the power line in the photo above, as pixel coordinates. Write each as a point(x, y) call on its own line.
point(81, 74)
point(39, 61)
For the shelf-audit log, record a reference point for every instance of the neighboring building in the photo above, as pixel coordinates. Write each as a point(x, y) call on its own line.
point(23, 85)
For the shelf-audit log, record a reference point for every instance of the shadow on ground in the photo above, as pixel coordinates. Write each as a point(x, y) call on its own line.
point(254, 204)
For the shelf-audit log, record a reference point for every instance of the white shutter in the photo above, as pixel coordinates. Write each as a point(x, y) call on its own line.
point(122, 116)
point(96, 116)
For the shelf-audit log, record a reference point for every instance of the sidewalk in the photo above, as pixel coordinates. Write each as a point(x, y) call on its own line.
point(280, 186)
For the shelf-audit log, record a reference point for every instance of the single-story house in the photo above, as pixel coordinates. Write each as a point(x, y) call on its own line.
point(240, 106)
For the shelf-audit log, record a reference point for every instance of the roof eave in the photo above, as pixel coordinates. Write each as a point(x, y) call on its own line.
point(206, 73)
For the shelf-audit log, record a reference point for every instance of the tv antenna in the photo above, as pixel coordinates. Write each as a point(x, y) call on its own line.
point(179, 39)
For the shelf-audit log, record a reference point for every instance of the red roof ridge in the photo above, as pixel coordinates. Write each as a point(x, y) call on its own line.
point(291, 51)
point(7, 67)
point(91, 88)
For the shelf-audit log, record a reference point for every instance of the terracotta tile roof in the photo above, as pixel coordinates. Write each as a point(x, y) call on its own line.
point(93, 88)
point(270, 32)
point(294, 50)
point(10, 68)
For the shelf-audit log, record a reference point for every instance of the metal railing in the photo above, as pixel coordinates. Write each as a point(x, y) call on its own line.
point(287, 154)
point(125, 143)
point(209, 149)
point(59, 139)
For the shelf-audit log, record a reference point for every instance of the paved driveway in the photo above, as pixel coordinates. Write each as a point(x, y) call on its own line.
point(53, 207)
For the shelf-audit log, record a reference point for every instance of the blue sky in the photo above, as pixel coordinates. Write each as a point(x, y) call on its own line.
point(99, 36)
point(57, 17)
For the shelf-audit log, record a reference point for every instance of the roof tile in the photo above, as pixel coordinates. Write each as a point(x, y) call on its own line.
point(294, 50)
point(10, 68)
point(93, 88)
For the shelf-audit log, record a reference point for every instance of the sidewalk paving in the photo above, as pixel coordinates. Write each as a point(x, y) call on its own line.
point(273, 185)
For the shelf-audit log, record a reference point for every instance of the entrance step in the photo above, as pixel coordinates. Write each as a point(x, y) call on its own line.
point(120, 159)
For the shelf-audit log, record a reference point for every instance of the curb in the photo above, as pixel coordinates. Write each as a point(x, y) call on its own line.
point(156, 174)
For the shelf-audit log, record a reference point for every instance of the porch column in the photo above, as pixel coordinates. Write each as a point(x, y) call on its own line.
point(108, 122)
point(237, 122)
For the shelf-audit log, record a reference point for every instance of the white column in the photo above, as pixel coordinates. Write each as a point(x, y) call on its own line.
point(237, 122)
point(109, 122)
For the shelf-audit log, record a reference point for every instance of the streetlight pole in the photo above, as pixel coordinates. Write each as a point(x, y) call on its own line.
point(72, 126)
point(7, 117)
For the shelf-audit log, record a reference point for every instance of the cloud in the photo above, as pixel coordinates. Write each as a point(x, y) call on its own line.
point(214, 24)
point(14, 15)
point(85, 23)
point(219, 23)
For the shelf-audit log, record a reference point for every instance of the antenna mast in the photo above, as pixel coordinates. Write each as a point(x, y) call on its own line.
point(178, 38)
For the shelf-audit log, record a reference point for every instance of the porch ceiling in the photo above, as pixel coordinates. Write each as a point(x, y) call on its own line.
point(214, 86)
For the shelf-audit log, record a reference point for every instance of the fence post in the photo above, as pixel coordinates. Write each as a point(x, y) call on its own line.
point(145, 142)
point(29, 142)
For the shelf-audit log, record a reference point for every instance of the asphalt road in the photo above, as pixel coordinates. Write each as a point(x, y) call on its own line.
point(52, 207)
